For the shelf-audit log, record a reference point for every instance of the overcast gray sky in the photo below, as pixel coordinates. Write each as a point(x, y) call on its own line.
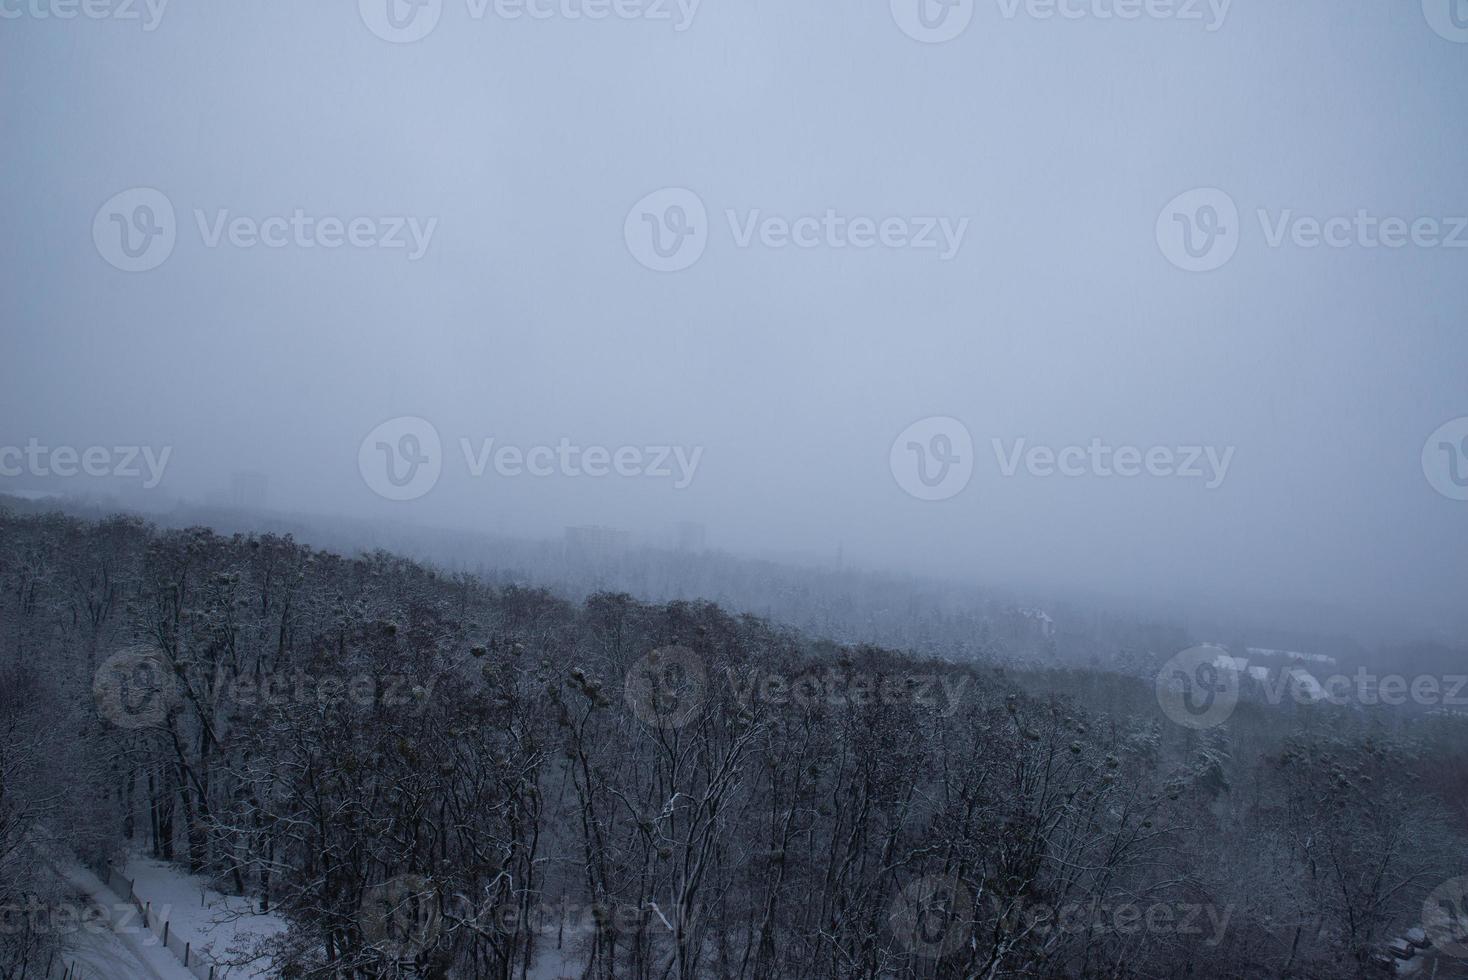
point(519, 163)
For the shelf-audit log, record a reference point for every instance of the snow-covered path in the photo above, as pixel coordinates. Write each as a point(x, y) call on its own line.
point(127, 950)
point(213, 924)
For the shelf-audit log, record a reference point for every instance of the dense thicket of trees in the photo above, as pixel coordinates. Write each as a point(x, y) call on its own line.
point(430, 775)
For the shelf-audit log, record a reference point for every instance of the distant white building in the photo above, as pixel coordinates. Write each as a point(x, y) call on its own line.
point(1305, 683)
point(30, 494)
point(1301, 682)
point(1318, 658)
point(1042, 620)
point(1225, 662)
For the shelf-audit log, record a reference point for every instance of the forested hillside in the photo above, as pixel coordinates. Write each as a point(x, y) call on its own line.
point(428, 775)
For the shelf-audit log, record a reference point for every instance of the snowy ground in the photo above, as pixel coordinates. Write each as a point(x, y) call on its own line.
point(212, 923)
point(126, 949)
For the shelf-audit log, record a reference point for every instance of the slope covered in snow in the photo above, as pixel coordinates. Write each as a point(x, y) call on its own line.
point(219, 926)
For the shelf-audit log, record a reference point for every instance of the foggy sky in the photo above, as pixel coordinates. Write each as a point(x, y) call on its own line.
point(528, 320)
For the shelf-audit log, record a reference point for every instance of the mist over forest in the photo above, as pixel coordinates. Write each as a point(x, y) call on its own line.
point(708, 490)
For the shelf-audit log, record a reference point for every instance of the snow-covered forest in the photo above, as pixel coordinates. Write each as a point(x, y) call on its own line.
point(424, 775)
point(733, 490)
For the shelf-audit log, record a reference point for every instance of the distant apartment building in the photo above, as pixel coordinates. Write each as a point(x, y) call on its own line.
point(248, 491)
point(689, 536)
point(596, 542)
